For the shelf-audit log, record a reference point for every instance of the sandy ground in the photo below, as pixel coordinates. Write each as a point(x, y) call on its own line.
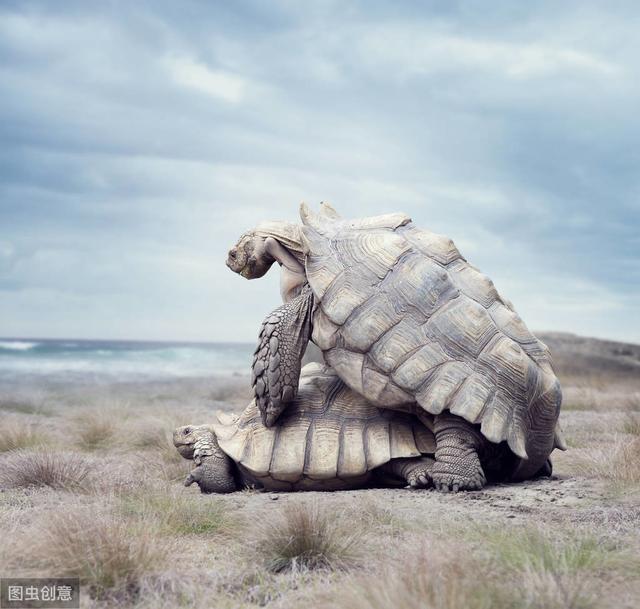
point(569, 541)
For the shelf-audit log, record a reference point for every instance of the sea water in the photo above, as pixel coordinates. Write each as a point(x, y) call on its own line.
point(95, 360)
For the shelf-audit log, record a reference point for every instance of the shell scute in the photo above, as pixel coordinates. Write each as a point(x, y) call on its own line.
point(470, 400)
point(438, 247)
point(403, 443)
point(377, 443)
point(381, 390)
point(369, 322)
point(469, 280)
point(289, 449)
point(415, 369)
point(324, 331)
point(396, 344)
point(352, 460)
point(420, 286)
point(441, 385)
point(323, 449)
point(463, 328)
point(345, 294)
point(375, 253)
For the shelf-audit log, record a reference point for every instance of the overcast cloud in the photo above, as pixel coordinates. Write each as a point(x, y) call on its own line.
point(139, 139)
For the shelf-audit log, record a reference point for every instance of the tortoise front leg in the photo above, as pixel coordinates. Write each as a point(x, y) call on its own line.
point(278, 357)
point(416, 471)
point(457, 466)
point(212, 475)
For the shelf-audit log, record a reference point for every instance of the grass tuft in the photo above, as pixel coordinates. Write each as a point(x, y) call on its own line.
point(617, 462)
point(95, 430)
point(302, 537)
point(502, 570)
point(534, 550)
point(14, 436)
point(180, 513)
point(631, 424)
point(155, 438)
point(111, 556)
point(435, 577)
point(45, 468)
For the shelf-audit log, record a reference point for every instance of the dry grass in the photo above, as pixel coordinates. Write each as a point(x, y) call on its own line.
point(555, 570)
point(15, 435)
point(95, 430)
point(111, 556)
point(180, 513)
point(583, 395)
point(25, 405)
point(154, 437)
point(372, 516)
point(539, 550)
point(304, 537)
point(631, 424)
point(617, 462)
point(436, 576)
point(498, 570)
point(45, 468)
point(633, 402)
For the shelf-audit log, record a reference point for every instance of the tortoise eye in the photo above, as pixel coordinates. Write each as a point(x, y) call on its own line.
point(187, 431)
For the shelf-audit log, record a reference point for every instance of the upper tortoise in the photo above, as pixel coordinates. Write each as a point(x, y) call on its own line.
point(403, 318)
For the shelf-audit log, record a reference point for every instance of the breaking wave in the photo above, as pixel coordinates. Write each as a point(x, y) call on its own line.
point(17, 345)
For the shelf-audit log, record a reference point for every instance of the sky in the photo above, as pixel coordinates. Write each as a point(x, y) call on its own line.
point(140, 139)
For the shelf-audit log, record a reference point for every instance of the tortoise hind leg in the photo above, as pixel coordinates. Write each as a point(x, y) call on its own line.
point(457, 466)
point(416, 471)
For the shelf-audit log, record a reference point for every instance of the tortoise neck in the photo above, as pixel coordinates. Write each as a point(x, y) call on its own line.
point(287, 233)
point(206, 445)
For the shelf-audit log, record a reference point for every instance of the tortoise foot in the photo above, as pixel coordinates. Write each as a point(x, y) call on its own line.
point(447, 482)
point(420, 476)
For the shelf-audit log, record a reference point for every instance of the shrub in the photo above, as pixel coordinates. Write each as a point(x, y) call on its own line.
point(303, 537)
point(45, 468)
point(111, 557)
point(14, 436)
point(95, 430)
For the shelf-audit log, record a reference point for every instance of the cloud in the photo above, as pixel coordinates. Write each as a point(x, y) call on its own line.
point(405, 51)
point(217, 83)
point(140, 140)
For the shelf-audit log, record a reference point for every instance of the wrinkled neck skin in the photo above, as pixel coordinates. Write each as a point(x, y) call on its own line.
point(283, 244)
point(291, 283)
point(206, 445)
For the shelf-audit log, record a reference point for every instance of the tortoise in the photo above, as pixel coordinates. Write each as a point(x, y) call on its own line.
point(404, 319)
point(329, 438)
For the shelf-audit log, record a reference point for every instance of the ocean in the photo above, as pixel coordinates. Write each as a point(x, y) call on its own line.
point(113, 361)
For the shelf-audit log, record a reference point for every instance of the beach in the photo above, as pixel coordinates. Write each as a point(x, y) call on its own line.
point(92, 486)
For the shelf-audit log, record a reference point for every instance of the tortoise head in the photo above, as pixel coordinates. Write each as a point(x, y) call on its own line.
point(185, 438)
point(249, 256)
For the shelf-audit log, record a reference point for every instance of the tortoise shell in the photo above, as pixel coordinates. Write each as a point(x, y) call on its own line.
point(328, 433)
point(402, 317)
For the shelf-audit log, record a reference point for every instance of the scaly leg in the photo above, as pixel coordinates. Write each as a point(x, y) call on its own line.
point(457, 466)
point(277, 358)
point(415, 471)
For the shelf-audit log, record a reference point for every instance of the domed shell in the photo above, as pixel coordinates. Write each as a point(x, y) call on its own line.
point(402, 317)
point(328, 433)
